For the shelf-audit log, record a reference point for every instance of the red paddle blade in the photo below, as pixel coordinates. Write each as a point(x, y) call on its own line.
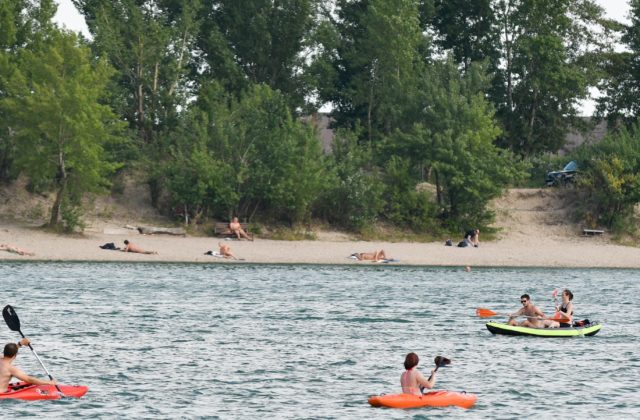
point(485, 313)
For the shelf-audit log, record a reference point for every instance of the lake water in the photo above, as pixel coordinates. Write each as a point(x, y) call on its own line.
point(243, 341)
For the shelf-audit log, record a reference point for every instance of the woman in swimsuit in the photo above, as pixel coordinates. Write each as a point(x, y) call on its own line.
point(412, 380)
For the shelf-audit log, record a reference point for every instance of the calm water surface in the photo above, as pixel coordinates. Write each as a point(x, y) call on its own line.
point(168, 341)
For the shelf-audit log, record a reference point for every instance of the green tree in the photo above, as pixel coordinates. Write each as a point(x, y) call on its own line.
point(262, 161)
point(61, 127)
point(258, 41)
point(452, 145)
point(610, 177)
point(622, 82)
point(151, 45)
point(23, 24)
point(466, 28)
point(369, 59)
point(353, 195)
point(549, 63)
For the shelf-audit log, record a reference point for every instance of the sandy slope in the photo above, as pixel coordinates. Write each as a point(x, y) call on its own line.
point(535, 232)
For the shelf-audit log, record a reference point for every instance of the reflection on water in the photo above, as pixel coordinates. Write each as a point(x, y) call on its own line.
point(169, 340)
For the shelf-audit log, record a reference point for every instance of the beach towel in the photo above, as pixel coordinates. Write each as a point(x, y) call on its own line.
point(214, 254)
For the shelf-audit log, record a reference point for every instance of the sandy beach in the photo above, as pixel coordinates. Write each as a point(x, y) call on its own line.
point(533, 233)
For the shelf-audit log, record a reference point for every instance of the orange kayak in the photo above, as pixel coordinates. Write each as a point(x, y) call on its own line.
point(25, 391)
point(430, 399)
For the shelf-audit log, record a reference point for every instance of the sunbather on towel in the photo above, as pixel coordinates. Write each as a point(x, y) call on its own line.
point(371, 256)
point(15, 249)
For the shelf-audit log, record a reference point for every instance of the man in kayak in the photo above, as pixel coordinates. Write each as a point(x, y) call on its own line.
point(534, 316)
point(7, 370)
point(412, 380)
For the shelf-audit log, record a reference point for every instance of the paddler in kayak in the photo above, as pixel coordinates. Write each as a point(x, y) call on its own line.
point(565, 310)
point(411, 379)
point(7, 370)
point(535, 317)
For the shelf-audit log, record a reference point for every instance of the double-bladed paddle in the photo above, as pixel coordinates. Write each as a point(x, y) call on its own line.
point(13, 322)
point(486, 313)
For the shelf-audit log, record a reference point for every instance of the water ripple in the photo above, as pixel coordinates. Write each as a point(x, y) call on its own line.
point(223, 341)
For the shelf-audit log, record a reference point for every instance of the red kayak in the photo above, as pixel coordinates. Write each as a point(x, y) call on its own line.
point(430, 399)
point(25, 391)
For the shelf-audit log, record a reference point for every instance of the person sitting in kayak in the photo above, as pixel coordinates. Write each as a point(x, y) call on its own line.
point(7, 370)
point(565, 310)
point(534, 315)
point(412, 380)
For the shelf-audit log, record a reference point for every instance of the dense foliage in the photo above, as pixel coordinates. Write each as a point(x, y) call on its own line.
point(436, 106)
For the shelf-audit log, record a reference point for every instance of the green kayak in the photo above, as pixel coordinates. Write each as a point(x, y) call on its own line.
point(506, 329)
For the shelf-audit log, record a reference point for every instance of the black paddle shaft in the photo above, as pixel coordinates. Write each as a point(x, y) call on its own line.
point(13, 322)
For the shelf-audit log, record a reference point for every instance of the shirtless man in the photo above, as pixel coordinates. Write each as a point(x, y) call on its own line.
point(130, 247)
point(15, 249)
point(534, 315)
point(371, 256)
point(7, 370)
point(235, 227)
point(225, 251)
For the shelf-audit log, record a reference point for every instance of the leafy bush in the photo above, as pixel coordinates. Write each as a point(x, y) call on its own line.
point(611, 178)
point(353, 195)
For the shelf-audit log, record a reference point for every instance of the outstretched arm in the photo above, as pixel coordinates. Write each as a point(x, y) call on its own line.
point(15, 371)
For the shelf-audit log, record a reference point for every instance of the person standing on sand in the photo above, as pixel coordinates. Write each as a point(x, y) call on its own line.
point(15, 250)
point(8, 371)
point(130, 247)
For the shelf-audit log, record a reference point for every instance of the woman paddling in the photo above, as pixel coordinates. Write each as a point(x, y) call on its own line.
point(565, 310)
point(412, 380)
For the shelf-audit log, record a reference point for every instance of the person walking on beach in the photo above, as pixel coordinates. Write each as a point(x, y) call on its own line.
point(130, 247)
point(534, 315)
point(8, 371)
point(412, 380)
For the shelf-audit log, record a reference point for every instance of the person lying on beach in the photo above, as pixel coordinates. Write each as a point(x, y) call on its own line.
point(225, 251)
point(15, 249)
point(371, 256)
point(8, 371)
point(236, 228)
point(130, 247)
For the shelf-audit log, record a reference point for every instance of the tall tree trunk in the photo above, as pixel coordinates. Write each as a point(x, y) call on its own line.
point(57, 205)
